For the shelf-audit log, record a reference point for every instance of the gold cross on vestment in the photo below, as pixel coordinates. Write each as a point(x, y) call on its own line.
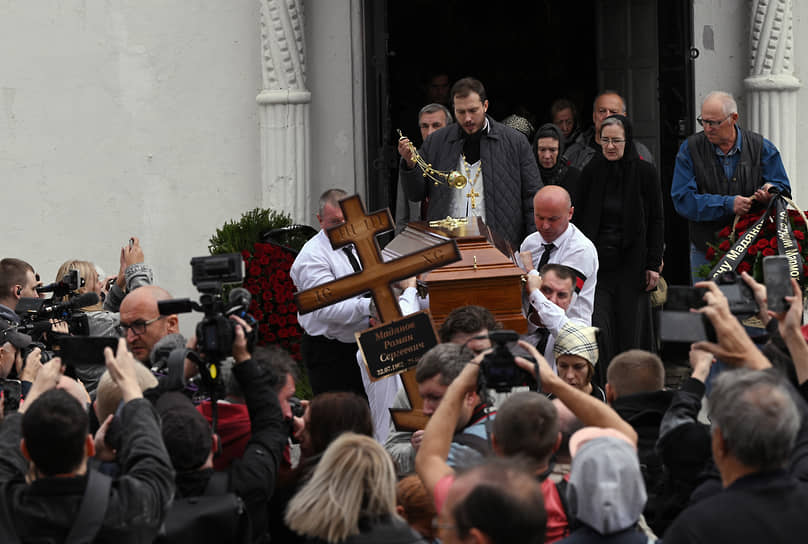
point(472, 194)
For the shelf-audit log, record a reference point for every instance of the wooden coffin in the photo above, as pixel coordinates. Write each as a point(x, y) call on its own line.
point(486, 275)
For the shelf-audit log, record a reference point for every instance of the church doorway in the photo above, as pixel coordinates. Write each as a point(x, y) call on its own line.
point(528, 54)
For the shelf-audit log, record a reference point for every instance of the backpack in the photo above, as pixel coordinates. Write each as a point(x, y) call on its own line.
point(555, 504)
point(214, 517)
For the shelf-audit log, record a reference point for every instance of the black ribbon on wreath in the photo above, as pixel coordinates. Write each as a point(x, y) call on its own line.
point(786, 243)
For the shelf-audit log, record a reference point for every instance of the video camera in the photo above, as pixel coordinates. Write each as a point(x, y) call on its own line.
point(69, 283)
point(36, 314)
point(216, 332)
point(678, 324)
point(498, 369)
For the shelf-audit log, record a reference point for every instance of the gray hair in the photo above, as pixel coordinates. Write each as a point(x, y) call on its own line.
point(435, 108)
point(728, 104)
point(332, 197)
point(609, 91)
point(354, 479)
point(611, 121)
point(446, 360)
point(757, 417)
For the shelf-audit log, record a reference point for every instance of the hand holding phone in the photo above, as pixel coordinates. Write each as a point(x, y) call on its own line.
point(777, 277)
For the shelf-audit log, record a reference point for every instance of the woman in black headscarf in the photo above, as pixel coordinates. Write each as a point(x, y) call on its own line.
point(548, 150)
point(620, 209)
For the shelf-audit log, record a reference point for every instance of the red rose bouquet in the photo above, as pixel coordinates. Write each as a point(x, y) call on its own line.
point(764, 246)
point(267, 279)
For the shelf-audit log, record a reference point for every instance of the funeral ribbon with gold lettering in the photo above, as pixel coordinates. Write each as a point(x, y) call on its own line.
point(786, 243)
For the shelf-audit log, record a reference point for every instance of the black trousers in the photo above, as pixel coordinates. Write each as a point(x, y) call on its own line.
point(623, 314)
point(331, 365)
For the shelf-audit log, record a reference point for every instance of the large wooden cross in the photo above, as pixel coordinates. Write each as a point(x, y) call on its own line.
point(376, 275)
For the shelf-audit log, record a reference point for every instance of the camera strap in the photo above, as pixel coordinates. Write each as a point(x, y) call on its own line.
point(92, 510)
point(786, 243)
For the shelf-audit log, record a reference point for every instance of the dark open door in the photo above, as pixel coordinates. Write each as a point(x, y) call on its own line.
point(628, 61)
point(677, 111)
point(381, 161)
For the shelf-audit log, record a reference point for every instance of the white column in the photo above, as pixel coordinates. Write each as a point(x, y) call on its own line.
point(771, 87)
point(284, 109)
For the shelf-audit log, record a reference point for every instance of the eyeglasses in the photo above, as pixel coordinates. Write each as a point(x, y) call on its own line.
point(138, 327)
point(613, 141)
point(707, 123)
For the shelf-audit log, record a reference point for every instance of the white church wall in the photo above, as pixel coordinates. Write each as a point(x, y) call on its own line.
point(119, 119)
point(799, 183)
point(334, 60)
point(722, 35)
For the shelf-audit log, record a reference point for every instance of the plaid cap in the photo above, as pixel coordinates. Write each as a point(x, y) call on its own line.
point(186, 432)
point(576, 339)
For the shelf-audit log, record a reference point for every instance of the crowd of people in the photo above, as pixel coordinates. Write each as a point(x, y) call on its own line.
point(163, 444)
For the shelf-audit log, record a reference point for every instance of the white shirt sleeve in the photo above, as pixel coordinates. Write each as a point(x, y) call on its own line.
point(316, 264)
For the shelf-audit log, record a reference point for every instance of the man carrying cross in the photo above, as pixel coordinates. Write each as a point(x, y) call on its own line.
point(496, 160)
point(329, 346)
point(330, 278)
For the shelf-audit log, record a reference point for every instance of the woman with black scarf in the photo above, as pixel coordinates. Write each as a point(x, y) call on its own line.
point(548, 150)
point(619, 208)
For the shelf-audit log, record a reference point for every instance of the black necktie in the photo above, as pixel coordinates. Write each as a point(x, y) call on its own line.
point(548, 248)
point(543, 334)
point(354, 263)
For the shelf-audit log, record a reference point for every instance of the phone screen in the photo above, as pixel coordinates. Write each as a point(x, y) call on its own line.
point(86, 350)
point(778, 282)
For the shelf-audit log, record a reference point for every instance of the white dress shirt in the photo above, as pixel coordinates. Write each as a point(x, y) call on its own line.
point(381, 393)
point(575, 250)
point(316, 264)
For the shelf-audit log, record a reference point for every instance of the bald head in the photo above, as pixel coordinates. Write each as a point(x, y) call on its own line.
point(75, 389)
point(553, 195)
point(142, 320)
point(552, 211)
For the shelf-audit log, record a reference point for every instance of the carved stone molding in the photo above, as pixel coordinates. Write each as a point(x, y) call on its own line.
point(284, 108)
point(771, 86)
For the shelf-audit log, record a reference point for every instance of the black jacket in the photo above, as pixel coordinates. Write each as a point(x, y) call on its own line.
point(45, 510)
point(390, 530)
point(644, 412)
point(643, 222)
point(761, 507)
point(253, 476)
point(510, 178)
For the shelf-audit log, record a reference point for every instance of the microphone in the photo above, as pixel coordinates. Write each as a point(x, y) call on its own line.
point(239, 301)
point(86, 299)
point(164, 346)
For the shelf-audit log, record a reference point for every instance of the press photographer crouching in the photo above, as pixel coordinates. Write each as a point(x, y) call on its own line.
point(49, 492)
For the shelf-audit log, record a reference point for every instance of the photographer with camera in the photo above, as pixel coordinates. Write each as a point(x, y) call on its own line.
point(17, 280)
point(530, 429)
point(758, 434)
point(50, 494)
point(103, 318)
point(251, 478)
point(436, 370)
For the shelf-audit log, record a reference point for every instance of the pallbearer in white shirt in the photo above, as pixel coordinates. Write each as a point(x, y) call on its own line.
point(329, 346)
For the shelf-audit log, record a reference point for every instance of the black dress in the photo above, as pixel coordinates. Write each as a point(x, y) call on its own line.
point(619, 208)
